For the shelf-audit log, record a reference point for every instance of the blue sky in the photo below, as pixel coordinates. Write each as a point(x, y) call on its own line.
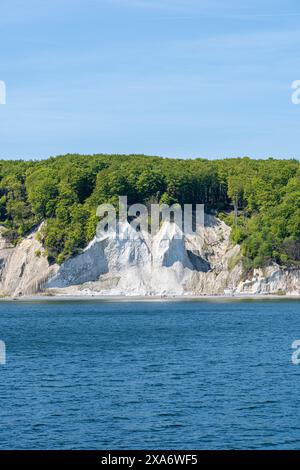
point(185, 78)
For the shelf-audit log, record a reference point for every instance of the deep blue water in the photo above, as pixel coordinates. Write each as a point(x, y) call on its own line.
point(160, 375)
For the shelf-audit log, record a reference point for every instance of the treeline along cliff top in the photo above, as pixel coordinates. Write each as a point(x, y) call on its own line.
point(260, 199)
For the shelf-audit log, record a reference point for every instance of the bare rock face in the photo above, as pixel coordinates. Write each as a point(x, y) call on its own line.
point(140, 264)
point(23, 269)
point(271, 280)
point(6, 250)
point(167, 263)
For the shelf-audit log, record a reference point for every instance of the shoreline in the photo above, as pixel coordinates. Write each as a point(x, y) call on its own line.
point(145, 298)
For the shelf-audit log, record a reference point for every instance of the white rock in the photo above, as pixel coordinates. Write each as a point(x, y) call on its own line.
point(138, 264)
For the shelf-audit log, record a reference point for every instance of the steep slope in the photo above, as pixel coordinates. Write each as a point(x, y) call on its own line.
point(138, 264)
point(206, 264)
point(23, 270)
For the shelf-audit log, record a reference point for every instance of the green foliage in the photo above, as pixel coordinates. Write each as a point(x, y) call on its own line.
point(260, 199)
point(234, 261)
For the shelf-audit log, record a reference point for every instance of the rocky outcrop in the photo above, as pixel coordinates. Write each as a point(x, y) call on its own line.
point(271, 280)
point(137, 264)
point(23, 269)
point(165, 264)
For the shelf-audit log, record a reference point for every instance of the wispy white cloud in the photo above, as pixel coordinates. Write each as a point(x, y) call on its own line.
point(232, 9)
point(32, 11)
point(250, 40)
point(160, 4)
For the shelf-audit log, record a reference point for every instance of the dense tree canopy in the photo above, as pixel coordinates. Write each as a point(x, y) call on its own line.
point(259, 198)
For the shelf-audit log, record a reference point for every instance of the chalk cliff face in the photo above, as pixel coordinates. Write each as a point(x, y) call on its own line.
point(271, 280)
point(165, 264)
point(138, 264)
point(23, 269)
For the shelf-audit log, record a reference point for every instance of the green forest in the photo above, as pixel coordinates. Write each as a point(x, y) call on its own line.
point(259, 199)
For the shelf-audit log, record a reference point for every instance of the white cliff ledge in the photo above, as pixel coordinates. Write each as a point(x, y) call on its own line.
point(162, 265)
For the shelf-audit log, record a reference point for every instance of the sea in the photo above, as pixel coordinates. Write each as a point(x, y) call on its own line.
point(94, 374)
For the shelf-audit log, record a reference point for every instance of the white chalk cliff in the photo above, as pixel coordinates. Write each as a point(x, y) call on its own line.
point(138, 264)
point(22, 269)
